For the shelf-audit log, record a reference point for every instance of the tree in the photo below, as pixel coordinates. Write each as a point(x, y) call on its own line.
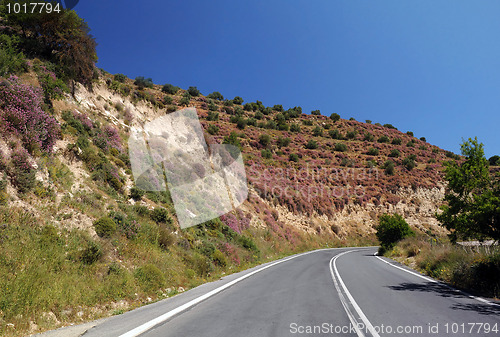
point(335, 117)
point(494, 161)
point(391, 229)
point(238, 100)
point(215, 95)
point(62, 37)
point(170, 89)
point(472, 209)
point(193, 91)
point(315, 113)
point(142, 82)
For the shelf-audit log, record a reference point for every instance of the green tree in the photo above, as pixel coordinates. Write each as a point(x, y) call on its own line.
point(494, 160)
point(472, 209)
point(216, 95)
point(61, 37)
point(391, 229)
point(334, 117)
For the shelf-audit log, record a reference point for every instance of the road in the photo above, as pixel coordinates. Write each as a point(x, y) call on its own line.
point(334, 292)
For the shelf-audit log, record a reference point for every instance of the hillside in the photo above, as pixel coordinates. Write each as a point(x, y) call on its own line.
point(79, 240)
point(69, 200)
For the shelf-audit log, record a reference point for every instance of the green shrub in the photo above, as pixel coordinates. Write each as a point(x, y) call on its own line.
point(396, 141)
point(170, 89)
point(215, 95)
point(315, 113)
point(283, 142)
point(241, 123)
point(423, 139)
point(293, 157)
point(193, 91)
point(368, 137)
point(141, 210)
point(411, 143)
point(317, 131)
point(252, 122)
point(394, 153)
point(184, 101)
point(219, 258)
point(165, 238)
point(91, 254)
point(136, 193)
point(12, 61)
point(307, 122)
point(142, 82)
point(22, 173)
point(311, 144)
point(383, 139)
point(335, 117)
point(389, 167)
point(351, 134)
point(409, 163)
point(167, 100)
point(335, 134)
point(238, 100)
point(391, 229)
point(295, 128)
point(373, 151)
point(150, 277)
point(213, 129)
point(264, 140)
point(248, 243)
point(105, 227)
point(120, 78)
point(160, 215)
point(368, 121)
point(267, 154)
point(409, 133)
point(212, 116)
point(390, 126)
point(340, 147)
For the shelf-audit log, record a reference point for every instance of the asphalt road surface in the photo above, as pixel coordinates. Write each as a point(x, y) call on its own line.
point(333, 292)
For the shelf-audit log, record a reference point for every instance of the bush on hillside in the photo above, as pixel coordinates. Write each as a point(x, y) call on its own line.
point(170, 89)
point(391, 229)
point(120, 78)
point(142, 82)
point(193, 91)
point(105, 227)
point(22, 116)
point(215, 95)
point(335, 117)
point(238, 100)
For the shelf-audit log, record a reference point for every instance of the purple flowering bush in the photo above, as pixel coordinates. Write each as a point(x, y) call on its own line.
point(107, 138)
point(22, 116)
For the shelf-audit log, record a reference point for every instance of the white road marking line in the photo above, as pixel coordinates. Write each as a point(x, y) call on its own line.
point(160, 319)
point(336, 276)
point(480, 299)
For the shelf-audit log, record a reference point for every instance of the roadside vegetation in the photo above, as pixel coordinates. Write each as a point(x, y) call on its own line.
point(471, 212)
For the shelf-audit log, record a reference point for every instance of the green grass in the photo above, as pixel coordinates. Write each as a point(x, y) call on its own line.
point(46, 269)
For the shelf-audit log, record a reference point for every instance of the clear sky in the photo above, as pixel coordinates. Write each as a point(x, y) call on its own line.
point(428, 66)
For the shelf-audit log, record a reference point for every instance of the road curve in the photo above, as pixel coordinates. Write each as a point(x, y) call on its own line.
point(333, 292)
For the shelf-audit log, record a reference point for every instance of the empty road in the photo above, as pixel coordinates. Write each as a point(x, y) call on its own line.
point(331, 292)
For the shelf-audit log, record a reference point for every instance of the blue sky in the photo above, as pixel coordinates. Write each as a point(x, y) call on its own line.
point(429, 66)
